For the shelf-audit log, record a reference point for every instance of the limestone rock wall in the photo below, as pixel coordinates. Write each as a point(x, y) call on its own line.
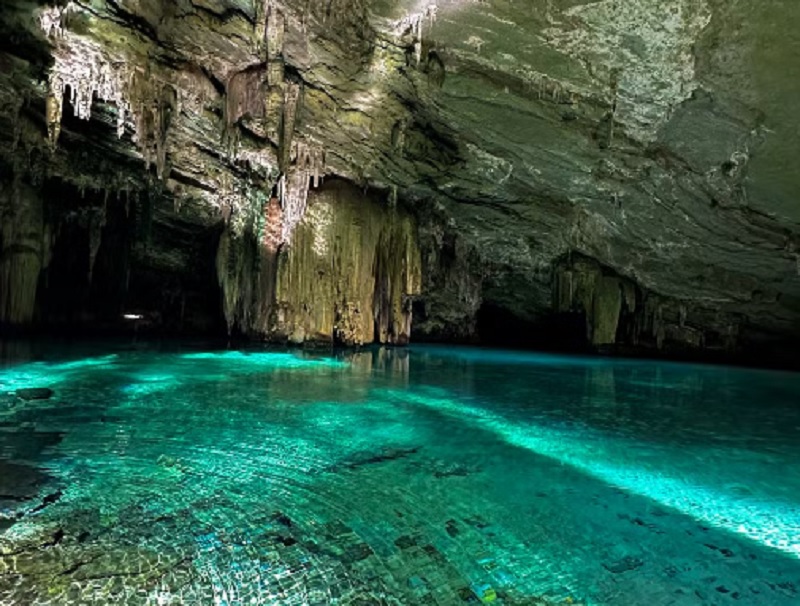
point(620, 312)
point(453, 276)
point(348, 275)
point(656, 137)
point(350, 272)
point(25, 248)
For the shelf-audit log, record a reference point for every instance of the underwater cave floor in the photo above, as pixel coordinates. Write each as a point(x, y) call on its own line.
point(433, 475)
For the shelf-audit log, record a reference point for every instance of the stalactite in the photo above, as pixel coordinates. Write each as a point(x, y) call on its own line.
point(306, 170)
point(294, 198)
point(291, 106)
point(85, 74)
point(350, 273)
point(141, 99)
point(25, 249)
point(228, 279)
point(53, 114)
point(581, 286)
point(153, 105)
point(274, 34)
point(548, 88)
point(262, 8)
point(52, 18)
point(412, 25)
point(238, 265)
point(397, 279)
point(273, 100)
point(310, 158)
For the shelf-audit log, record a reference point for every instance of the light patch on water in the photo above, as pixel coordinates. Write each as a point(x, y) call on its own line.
point(264, 359)
point(43, 374)
point(210, 363)
point(147, 383)
point(771, 523)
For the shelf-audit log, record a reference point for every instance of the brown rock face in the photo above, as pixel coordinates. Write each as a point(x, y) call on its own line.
point(643, 148)
point(347, 276)
point(25, 248)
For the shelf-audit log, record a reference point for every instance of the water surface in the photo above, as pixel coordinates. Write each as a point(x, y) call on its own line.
point(423, 476)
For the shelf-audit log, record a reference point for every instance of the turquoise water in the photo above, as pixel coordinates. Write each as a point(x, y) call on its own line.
point(422, 476)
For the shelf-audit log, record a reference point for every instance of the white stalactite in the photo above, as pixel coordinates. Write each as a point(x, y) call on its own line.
point(51, 19)
point(310, 158)
point(294, 199)
point(414, 23)
point(306, 171)
point(81, 70)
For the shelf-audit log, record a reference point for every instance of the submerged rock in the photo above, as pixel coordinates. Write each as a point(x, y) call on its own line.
point(385, 455)
point(19, 482)
point(35, 393)
point(20, 485)
point(626, 564)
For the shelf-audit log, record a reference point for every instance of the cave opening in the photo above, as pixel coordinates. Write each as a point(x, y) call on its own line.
point(105, 267)
point(562, 332)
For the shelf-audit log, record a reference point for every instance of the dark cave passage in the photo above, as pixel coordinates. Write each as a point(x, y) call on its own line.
point(561, 332)
point(108, 260)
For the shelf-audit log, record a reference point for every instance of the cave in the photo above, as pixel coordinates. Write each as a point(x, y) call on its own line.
point(560, 331)
point(409, 302)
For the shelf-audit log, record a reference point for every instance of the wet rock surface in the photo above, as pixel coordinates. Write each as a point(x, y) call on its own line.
point(19, 482)
point(21, 486)
point(626, 564)
point(35, 393)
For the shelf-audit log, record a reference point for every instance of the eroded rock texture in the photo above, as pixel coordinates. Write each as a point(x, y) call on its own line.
point(630, 164)
point(348, 277)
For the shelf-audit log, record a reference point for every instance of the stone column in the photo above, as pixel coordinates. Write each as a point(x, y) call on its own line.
point(25, 248)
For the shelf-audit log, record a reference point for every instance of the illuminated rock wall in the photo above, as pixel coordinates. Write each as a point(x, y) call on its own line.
point(350, 272)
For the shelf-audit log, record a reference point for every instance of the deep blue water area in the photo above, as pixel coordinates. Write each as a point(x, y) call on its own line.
point(428, 475)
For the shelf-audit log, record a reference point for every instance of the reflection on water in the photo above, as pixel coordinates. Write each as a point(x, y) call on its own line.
point(421, 476)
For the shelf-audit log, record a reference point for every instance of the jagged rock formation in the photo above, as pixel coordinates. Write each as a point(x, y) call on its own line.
point(618, 311)
point(629, 163)
point(348, 277)
point(25, 249)
point(350, 273)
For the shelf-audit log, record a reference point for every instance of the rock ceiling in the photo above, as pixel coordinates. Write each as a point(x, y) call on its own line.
point(655, 137)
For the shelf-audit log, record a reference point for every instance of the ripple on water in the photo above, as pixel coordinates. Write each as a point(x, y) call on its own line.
point(436, 478)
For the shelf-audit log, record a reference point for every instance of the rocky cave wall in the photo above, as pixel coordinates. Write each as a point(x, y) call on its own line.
point(25, 250)
point(82, 260)
point(618, 312)
point(347, 277)
point(622, 167)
